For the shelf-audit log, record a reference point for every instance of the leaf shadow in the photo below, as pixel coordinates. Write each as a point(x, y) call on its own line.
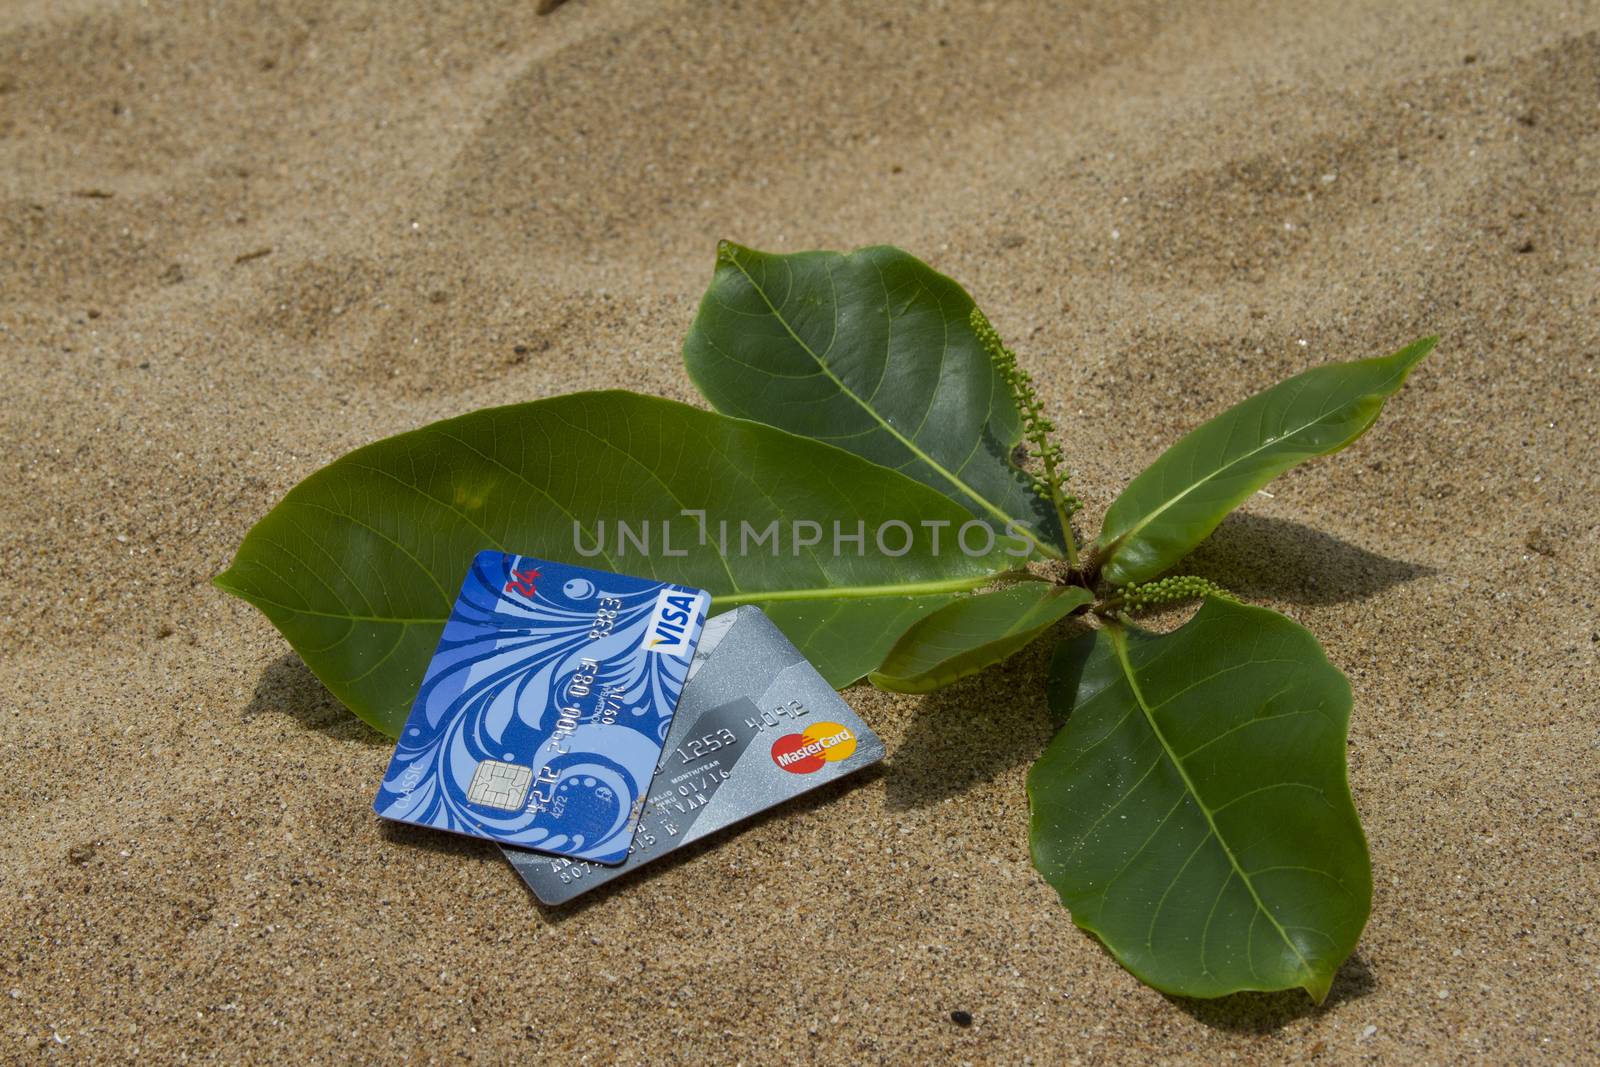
point(963, 735)
point(1263, 558)
point(1042, 514)
point(1263, 1013)
point(288, 688)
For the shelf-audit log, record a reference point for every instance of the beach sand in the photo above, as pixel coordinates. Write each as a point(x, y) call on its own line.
point(238, 239)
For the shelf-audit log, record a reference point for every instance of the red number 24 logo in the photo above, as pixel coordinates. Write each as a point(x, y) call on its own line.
point(522, 582)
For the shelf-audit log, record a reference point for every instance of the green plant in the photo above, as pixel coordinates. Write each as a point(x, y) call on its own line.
point(1193, 811)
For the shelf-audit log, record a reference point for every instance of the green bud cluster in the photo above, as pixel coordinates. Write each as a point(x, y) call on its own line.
point(1171, 590)
point(1036, 426)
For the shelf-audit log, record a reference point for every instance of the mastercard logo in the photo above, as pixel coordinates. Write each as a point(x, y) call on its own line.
point(821, 743)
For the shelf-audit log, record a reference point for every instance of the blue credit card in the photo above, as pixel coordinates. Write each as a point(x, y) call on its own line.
point(543, 713)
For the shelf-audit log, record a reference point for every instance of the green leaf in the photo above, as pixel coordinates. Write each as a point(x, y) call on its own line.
point(874, 352)
point(1194, 812)
point(975, 632)
point(359, 565)
point(1180, 498)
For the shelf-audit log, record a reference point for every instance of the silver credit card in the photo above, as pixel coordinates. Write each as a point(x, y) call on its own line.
point(756, 726)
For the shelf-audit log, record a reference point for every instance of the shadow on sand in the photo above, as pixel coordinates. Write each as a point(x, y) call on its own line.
point(1277, 559)
point(978, 728)
point(288, 688)
point(1262, 1013)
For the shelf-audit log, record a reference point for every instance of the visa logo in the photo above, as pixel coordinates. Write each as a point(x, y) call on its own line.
point(672, 622)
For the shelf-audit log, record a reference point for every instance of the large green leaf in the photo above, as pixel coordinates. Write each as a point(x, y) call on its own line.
point(975, 632)
point(1180, 498)
point(1194, 812)
point(873, 351)
point(360, 563)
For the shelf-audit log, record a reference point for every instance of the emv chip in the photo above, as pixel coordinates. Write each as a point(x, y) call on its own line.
point(499, 785)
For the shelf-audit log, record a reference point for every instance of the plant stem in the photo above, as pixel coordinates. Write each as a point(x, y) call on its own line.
point(1109, 605)
point(1063, 513)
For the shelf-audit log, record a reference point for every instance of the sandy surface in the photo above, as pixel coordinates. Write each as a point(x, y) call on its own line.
point(239, 238)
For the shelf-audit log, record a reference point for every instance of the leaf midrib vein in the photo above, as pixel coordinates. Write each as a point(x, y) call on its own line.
point(1324, 416)
point(1217, 472)
point(1120, 645)
point(910, 445)
point(841, 592)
